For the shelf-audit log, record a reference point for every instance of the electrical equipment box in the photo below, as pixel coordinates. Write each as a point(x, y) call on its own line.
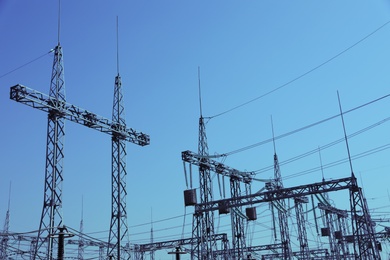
point(251, 213)
point(190, 197)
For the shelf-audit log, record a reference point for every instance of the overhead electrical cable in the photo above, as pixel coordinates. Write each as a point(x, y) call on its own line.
point(43, 55)
point(298, 157)
point(304, 74)
point(301, 129)
point(341, 161)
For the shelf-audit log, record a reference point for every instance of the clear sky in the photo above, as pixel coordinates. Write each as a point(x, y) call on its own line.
point(245, 49)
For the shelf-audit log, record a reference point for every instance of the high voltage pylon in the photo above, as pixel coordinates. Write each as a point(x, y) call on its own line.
point(118, 227)
point(58, 110)
point(51, 217)
point(203, 224)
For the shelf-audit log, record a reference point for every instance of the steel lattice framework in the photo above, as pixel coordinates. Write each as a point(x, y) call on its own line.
point(118, 227)
point(237, 221)
point(366, 246)
point(51, 217)
point(364, 240)
point(302, 234)
point(282, 211)
point(59, 111)
point(203, 223)
point(236, 179)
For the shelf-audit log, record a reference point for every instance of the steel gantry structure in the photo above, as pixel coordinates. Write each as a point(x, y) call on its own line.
point(363, 237)
point(236, 179)
point(58, 111)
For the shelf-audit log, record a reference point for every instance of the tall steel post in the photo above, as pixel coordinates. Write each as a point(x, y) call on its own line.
point(203, 224)
point(118, 227)
point(282, 212)
point(51, 217)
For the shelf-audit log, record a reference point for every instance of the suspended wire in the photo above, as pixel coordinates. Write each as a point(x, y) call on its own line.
point(295, 158)
point(302, 128)
point(28, 63)
point(341, 161)
point(304, 74)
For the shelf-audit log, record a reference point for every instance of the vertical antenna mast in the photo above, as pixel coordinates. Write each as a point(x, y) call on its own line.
point(345, 134)
point(273, 134)
point(59, 21)
point(200, 94)
point(117, 45)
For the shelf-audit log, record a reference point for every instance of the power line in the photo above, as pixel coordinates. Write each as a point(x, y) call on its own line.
point(302, 128)
point(43, 55)
point(305, 73)
point(298, 157)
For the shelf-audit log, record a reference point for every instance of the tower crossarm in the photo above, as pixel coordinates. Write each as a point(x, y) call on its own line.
point(338, 212)
point(174, 243)
point(36, 99)
point(285, 193)
point(217, 167)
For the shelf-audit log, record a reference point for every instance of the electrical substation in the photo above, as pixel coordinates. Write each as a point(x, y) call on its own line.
point(305, 222)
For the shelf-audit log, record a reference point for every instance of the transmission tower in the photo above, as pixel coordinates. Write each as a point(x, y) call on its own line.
point(51, 217)
point(118, 227)
point(203, 223)
point(362, 225)
point(58, 111)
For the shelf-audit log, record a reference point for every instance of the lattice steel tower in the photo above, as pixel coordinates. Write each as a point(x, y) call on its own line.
point(118, 227)
point(203, 223)
point(51, 217)
point(59, 111)
point(281, 206)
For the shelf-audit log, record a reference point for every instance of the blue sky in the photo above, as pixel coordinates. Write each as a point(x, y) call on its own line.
point(244, 49)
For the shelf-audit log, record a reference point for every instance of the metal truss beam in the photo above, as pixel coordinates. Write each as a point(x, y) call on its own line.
point(284, 193)
point(75, 114)
point(177, 242)
point(217, 167)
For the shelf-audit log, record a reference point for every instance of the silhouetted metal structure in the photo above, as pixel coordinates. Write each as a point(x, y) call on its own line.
point(118, 227)
point(280, 204)
point(363, 236)
point(59, 111)
point(236, 178)
point(203, 222)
